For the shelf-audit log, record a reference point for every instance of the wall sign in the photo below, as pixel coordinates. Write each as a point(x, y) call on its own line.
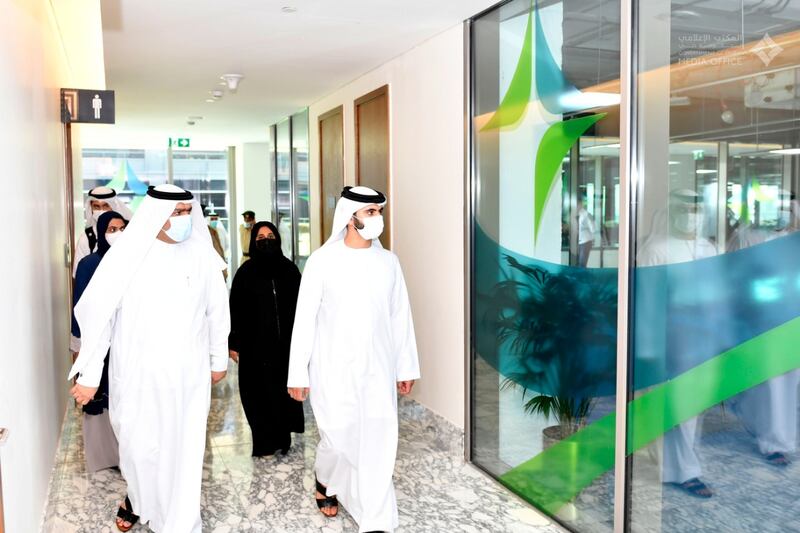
point(87, 106)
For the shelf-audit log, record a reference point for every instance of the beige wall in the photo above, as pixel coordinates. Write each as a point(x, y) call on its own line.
point(42, 48)
point(426, 91)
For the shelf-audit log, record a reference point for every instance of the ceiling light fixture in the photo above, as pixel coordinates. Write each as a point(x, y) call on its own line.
point(685, 13)
point(786, 151)
point(232, 81)
point(705, 171)
point(210, 100)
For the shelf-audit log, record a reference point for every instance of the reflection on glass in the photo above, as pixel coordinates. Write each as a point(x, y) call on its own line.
point(546, 143)
point(301, 187)
point(129, 172)
point(713, 420)
point(283, 186)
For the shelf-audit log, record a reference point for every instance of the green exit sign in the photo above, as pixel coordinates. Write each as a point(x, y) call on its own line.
point(179, 143)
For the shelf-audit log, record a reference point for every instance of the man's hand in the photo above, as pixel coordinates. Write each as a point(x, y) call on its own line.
point(404, 387)
point(216, 377)
point(298, 393)
point(82, 395)
point(234, 355)
point(74, 358)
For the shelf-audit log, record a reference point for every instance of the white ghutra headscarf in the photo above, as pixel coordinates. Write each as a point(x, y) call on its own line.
point(108, 195)
point(353, 199)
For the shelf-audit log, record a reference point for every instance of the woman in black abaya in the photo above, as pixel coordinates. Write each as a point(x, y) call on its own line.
point(263, 301)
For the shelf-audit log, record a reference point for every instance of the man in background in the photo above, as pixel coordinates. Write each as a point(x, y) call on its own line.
point(244, 234)
point(586, 231)
point(215, 229)
point(98, 201)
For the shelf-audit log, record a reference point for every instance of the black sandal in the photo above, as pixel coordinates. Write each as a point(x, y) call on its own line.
point(695, 487)
point(777, 459)
point(328, 501)
point(126, 515)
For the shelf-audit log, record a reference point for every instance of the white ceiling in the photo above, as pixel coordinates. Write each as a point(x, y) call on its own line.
point(163, 57)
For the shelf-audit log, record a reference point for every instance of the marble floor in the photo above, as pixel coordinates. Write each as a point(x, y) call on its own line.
point(436, 490)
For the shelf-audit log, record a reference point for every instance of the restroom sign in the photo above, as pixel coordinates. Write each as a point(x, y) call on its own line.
point(87, 106)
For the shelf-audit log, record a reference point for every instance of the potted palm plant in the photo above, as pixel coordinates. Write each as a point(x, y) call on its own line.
point(556, 335)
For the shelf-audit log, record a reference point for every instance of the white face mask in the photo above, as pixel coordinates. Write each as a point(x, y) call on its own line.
point(111, 238)
point(373, 227)
point(96, 214)
point(688, 223)
point(180, 228)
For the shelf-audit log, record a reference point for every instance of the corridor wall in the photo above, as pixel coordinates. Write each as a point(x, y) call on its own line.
point(45, 46)
point(426, 115)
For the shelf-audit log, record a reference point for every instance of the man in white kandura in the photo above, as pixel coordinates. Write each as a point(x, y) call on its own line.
point(676, 237)
point(98, 201)
point(353, 345)
point(769, 410)
point(159, 300)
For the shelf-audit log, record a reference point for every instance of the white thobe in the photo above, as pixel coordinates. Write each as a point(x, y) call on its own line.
point(680, 461)
point(353, 340)
point(172, 317)
point(769, 410)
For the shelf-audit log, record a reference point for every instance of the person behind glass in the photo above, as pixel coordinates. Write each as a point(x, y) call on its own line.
point(769, 410)
point(586, 230)
point(245, 230)
point(100, 445)
point(263, 300)
point(675, 238)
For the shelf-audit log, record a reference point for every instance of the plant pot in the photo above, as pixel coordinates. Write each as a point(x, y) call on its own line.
point(553, 434)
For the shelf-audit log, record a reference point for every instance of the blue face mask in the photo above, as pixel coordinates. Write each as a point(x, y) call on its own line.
point(180, 228)
point(214, 223)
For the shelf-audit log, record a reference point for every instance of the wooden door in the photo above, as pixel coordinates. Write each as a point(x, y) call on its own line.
point(331, 165)
point(372, 147)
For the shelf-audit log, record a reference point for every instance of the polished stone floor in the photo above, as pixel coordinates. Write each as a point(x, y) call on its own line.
point(436, 490)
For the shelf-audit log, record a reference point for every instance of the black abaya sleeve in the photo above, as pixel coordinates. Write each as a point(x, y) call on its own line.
point(239, 310)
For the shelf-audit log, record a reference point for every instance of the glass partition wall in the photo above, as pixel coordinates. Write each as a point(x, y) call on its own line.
point(291, 186)
point(708, 296)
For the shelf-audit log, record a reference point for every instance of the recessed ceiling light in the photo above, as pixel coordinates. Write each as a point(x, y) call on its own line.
point(289, 9)
point(705, 171)
point(210, 100)
point(674, 162)
point(786, 151)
